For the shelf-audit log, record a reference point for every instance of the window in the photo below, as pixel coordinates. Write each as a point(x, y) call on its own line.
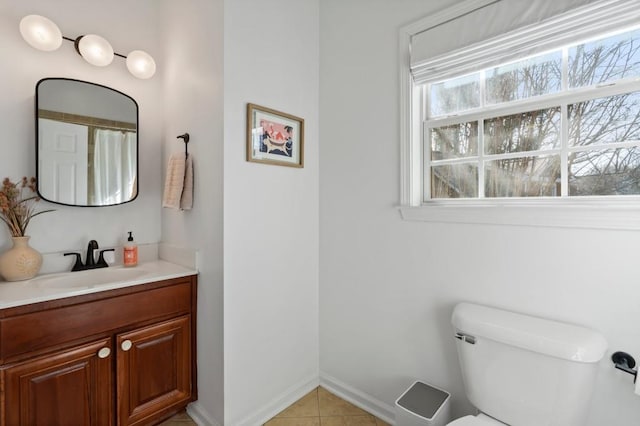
point(564, 123)
point(532, 118)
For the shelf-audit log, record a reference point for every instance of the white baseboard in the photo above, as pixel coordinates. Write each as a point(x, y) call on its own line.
point(380, 409)
point(200, 415)
point(360, 399)
point(279, 403)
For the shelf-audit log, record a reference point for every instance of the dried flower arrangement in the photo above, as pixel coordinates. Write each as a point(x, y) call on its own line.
point(16, 210)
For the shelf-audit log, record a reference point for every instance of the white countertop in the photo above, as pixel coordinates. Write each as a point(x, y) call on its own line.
point(57, 286)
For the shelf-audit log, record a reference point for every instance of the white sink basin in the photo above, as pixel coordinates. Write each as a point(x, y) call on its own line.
point(91, 278)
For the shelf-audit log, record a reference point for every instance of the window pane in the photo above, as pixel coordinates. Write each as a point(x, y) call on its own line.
point(605, 172)
point(523, 177)
point(454, 181)
point(605, 60)
point(527, 131)
point(455, 95)
point(535, 76)
point(605, 120)
point(458, 140)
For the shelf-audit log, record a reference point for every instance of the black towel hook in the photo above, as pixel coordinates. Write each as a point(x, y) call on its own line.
point(185, 138)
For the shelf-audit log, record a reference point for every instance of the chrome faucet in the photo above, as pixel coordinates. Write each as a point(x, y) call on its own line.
point(90, 262)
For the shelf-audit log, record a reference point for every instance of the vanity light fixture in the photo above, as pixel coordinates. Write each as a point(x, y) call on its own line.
point(141, 64)
point(43, 34)
point(94, 49)
point(40, 33)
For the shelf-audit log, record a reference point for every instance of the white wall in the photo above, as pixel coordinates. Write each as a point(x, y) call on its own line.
point(70, 228)
point(192, 84)
point(388, 286)
point(270, 212)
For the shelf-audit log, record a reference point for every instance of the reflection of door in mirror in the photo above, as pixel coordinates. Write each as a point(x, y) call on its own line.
point(63, 161)
point(87, 147)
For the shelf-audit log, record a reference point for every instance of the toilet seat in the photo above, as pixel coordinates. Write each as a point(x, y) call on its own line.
point(479, 420)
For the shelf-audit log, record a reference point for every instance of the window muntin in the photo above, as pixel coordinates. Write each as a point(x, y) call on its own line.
point(539, 135)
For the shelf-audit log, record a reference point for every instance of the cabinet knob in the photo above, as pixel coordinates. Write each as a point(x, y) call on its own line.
point(126, 345)
point(104, 353)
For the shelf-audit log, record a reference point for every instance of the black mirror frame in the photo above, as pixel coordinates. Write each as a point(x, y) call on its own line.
point(37, 139)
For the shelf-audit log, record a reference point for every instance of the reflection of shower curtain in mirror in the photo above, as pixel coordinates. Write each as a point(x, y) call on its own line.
point(114, 164)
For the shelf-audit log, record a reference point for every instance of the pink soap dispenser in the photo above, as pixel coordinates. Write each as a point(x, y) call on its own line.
point(130, 252)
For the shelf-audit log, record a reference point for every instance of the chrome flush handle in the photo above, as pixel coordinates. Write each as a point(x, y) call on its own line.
point(465, 338)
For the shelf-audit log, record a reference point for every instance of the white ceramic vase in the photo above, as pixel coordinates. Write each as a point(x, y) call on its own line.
point(21, 262)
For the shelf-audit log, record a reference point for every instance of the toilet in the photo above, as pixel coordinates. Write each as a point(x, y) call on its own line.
point(520, 370)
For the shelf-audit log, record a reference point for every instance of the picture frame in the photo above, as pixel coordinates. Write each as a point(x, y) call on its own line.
point(274, 137)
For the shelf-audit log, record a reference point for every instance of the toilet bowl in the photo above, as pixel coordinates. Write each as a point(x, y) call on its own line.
point(511, 364)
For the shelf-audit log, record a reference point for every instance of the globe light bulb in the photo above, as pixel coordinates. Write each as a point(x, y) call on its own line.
point(141, 64)
point(95, 50)
point(40, 32)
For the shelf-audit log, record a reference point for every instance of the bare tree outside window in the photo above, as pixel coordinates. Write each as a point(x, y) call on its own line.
point(524, 79)
point(520, 154)
point(456, 141)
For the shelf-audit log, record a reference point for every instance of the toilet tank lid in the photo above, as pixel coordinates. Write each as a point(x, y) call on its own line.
point(557, 339)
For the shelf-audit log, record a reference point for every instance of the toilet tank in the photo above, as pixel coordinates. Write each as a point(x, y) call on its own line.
point(526, 371)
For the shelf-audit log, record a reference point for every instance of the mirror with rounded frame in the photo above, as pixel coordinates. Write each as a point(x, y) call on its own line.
point(87, 143)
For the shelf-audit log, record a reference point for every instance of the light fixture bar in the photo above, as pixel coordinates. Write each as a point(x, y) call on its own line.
point(43, 34)
point(75, 42)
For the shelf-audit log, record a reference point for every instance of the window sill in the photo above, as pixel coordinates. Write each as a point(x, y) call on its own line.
point(593, 214)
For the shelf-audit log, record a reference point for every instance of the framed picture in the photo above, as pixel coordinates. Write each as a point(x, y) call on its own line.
point(274, 137)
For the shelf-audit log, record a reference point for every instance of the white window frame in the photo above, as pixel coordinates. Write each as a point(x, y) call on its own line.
point(610, 212)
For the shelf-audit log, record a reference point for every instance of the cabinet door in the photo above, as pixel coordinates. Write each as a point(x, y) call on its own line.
point(153, 371)
point(70, 387)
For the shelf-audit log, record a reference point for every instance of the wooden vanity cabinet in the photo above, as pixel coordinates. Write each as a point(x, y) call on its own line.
point(119, 357)
point(69, 387)
point(154, 369)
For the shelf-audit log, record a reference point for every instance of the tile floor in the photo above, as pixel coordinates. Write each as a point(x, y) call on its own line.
point(321, 408)
point(317, 408)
